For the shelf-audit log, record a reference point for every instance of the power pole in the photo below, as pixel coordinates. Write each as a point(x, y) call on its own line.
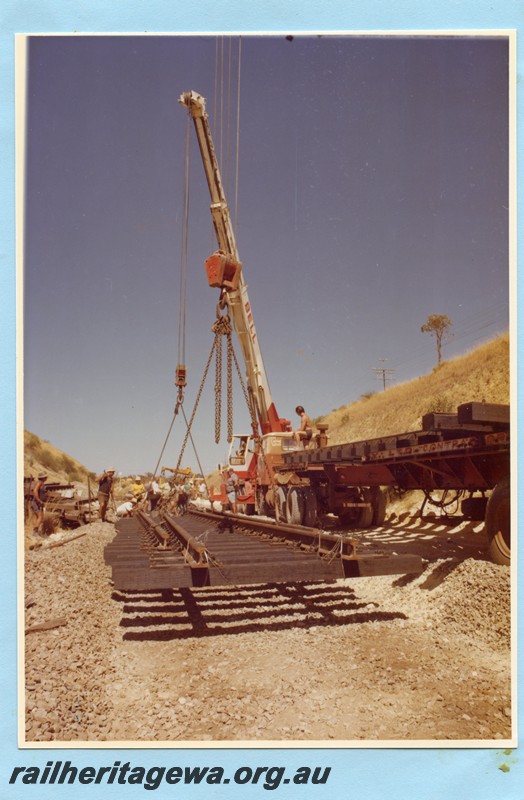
point(384, 373)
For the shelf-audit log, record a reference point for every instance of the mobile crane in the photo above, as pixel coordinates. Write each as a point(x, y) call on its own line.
point(468, 452)
point(254, 456)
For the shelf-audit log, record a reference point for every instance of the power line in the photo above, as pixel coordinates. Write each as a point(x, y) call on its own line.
point(384, 373)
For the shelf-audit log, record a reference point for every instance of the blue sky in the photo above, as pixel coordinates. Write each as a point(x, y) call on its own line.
point(373, 191)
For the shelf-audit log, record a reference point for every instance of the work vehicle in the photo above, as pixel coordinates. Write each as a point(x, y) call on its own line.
point(186, 473)
point(62, 503)
point(467, 453)
point(253, 456)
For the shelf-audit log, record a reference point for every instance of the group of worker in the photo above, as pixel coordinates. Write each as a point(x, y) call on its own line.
point(156, 490)
point(143, 496)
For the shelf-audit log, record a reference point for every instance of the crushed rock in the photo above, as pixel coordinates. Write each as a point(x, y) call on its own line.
point(370, 659)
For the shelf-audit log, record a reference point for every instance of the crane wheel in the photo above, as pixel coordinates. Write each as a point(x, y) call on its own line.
point(280, 505)
point(263, 507)
point(295, 506)
point(498, 523)
point(310, 508)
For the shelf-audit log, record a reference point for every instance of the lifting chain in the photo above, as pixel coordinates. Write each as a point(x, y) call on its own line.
point(218, 387)
point(229, 389)
point(222, 327)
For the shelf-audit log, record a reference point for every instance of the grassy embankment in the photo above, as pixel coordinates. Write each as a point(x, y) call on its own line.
point(481, 375)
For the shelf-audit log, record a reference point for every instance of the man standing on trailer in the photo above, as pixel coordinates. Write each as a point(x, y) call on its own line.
point(105, 490)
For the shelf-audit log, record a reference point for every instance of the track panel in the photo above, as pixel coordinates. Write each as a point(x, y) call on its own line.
point(221, 550)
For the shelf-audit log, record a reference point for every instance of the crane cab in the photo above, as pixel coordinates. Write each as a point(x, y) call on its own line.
point(241, 453)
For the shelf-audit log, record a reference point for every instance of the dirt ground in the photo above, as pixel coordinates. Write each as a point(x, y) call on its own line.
point(390, 658)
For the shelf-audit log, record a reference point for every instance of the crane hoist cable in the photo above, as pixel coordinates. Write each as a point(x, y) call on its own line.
point(182, 311)
point(224, 97)
point(235, 221)
point(181, 376)
point(181, 372)
point(228, 116)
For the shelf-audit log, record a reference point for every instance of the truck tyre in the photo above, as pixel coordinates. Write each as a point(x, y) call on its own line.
point(280, 505)
point(310, 508)
point(263, 509)
point(378, 504)
point(295, 506)
point(365, 518)
point(498, 523)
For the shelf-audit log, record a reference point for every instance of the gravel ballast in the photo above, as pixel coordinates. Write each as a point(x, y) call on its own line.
point(369, 659)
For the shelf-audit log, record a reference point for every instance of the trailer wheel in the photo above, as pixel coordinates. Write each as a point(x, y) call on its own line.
point(365, 518)
point(280, 505)
point(497, 523)
point(310, 508)
point(295, 506)
point(378, 504)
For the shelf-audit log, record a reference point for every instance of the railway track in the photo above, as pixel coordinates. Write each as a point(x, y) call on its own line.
point(210, 549)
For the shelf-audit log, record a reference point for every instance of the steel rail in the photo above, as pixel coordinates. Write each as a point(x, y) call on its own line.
point(212, 549)
point(315, 538)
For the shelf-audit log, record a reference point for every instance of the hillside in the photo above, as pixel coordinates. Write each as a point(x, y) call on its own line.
point(40, 455)
point(482, 375)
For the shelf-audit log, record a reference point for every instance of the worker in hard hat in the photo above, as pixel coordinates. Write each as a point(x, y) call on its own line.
point(105, 490)
point(138, 489)
point(126, 508)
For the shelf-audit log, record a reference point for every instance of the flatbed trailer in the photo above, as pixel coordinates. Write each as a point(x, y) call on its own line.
point(467, 452)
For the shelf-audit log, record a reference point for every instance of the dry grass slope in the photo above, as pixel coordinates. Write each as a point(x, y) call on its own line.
point(40, 455)
point(479, 376)
point(482, 376)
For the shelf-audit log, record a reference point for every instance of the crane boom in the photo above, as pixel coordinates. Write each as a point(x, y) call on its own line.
point(225, 272)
